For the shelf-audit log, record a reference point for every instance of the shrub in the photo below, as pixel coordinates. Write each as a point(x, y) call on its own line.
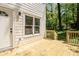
point(62, 35)
point(75, 41)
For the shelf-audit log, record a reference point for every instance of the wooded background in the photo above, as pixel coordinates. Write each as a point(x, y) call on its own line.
point(62, 16)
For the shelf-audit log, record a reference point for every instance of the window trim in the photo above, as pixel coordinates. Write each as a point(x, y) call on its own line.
point(28, 25)
point(30, 35)
point(37, 25)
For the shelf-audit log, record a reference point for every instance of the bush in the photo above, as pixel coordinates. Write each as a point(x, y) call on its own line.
point(75, 41)
point(62, 35)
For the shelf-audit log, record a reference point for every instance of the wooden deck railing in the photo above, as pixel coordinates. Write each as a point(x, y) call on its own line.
point(73, 37)
point(51, 34)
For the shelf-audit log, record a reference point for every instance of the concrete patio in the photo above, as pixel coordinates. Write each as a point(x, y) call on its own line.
point(47, 47)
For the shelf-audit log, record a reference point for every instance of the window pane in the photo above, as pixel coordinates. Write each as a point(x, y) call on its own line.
point(37, 21)
point(2, 13)
point(28, 20)
point(28, 30)
point(36, 29)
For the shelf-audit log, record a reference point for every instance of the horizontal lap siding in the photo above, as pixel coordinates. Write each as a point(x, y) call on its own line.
point(35, 9)
point(18, 28)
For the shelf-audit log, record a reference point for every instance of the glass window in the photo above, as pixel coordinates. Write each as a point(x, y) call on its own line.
point(2, 13)
point(28, 20)
point(28, 25)
point(37, 26)
point(37, 21)
point(28, 30)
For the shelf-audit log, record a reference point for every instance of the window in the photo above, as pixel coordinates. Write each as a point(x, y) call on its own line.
point(37, 26)
point(32, 25)
point(2, 13)
point(28, 25)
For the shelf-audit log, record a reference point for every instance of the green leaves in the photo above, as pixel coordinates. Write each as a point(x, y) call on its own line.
point(68, 15)
point(51, 16)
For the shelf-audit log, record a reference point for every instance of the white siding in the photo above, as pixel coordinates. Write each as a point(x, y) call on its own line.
point(34, 9)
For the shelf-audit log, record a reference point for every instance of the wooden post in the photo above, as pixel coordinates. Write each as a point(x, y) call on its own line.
point(67, 36)
point(55, 35)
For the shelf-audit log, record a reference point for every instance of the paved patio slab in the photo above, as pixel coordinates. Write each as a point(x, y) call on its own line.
point(48, 48)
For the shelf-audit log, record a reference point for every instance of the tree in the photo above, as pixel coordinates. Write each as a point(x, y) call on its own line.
point(68, 14)
point(73, 10)
point(59, 16)
point(77, 23)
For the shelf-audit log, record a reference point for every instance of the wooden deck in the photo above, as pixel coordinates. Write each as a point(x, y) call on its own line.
point(47, 47)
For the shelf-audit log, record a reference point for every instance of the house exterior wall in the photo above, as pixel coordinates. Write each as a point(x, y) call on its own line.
point(33, 9)
point(37, 10)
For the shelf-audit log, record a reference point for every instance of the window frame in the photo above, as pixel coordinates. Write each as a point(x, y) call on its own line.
point(28, 25)
point(37, 25)
point(32, 27)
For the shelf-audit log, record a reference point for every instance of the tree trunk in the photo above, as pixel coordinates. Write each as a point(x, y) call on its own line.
point(66, 16)
point(59, 16)
point(73, 12)
point(77, 23)
point(51, 10)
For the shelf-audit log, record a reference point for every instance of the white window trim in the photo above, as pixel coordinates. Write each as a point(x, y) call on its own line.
point(37, 34)
point(39, 27)
point(33, 24)
point(30, 35)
